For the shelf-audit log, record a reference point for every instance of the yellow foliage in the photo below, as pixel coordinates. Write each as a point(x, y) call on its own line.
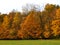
point(55, 27)
point(58, 13)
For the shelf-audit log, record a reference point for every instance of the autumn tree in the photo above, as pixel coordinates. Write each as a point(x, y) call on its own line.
point(16, 21)
point(15, 24)
point(11, 16)
point(6, 22)
point(5, 27)
point(31, 28)
point(55, 27)
point(48, 14)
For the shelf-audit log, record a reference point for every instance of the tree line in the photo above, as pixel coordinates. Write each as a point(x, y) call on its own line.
point(31, 23)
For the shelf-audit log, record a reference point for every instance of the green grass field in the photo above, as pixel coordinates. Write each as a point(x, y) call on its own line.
point(29, 42)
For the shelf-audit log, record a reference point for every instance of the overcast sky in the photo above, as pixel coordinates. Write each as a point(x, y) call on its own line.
point(8, 5)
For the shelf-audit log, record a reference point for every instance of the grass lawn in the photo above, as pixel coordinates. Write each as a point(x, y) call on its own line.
point(29, 42)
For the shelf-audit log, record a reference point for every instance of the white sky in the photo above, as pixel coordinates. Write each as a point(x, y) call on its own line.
point(8, 5)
